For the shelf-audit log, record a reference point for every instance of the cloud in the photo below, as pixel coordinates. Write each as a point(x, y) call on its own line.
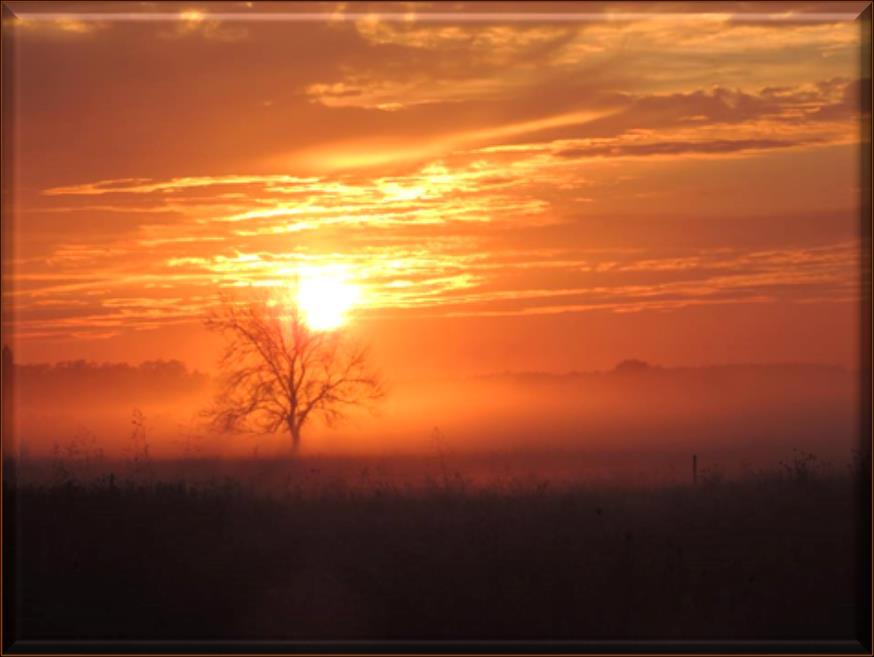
point(55, 27)
point(458, 168)
point(467, 61)
point(148, 186)
point(703, 121)
point(124, 287)
point(716, 147)
point(370, 153)
point(197, 23)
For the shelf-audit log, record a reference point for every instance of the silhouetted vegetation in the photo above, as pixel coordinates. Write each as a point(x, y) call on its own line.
point(767, 556)
point(279, 375)
point(78, 381)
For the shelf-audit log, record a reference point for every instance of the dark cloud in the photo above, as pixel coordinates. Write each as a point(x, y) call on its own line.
point(676, 148)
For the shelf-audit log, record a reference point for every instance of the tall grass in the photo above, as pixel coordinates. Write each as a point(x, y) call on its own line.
point(770, 555)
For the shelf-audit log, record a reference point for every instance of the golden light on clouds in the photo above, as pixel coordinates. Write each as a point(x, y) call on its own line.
point(193, 15)
point(423, 166)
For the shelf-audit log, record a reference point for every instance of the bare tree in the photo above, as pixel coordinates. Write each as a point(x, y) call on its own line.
point(279, 375)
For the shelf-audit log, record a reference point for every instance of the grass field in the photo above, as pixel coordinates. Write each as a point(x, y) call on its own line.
point(767, 556)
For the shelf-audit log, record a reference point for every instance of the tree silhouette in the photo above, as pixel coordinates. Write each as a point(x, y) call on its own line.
point(277, 374)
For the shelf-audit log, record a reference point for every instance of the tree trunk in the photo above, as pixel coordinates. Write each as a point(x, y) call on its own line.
point(294, 431)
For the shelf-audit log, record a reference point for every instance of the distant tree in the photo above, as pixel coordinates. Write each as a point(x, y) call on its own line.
point(633, 365)
point(278, 375)
point(78, 382)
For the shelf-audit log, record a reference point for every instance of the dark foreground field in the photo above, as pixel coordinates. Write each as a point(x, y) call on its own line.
point(769, 557)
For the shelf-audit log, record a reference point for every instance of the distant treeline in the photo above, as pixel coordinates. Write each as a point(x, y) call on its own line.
point(87, 381)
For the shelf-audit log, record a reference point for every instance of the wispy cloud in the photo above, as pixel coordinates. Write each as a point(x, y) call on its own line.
point(475, 168)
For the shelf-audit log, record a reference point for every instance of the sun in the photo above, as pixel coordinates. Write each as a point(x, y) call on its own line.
point(324, 297)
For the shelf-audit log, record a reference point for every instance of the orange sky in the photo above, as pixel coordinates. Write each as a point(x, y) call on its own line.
point(509, 191)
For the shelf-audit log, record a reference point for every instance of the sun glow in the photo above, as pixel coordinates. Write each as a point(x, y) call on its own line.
point(325, 296)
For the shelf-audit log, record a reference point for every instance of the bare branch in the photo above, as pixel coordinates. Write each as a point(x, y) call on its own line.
point(277, 373)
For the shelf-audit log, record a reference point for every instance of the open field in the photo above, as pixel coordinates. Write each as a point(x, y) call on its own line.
point(767, 556)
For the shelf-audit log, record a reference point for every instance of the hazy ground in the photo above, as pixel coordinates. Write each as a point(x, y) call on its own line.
point(768, 556)
point(505, 507)
point(729, 415)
